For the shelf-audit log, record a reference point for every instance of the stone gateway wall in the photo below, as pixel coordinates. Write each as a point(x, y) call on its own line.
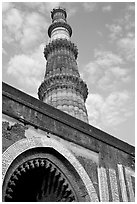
point(73, 160)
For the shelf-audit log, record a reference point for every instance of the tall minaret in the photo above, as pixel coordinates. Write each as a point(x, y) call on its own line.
point(62, 86)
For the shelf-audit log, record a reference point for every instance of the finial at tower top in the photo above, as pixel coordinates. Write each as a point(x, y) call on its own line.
point(58, 10)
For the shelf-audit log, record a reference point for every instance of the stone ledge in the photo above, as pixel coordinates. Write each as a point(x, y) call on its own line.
point(45, 109)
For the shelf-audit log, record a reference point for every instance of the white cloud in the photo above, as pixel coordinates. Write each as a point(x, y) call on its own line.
point(4, 51)
point(107, 58)
point(27, 70)
point(71, 11)
point(6, 37)
point(127, 48)
point(91, 73)
point(125, 41)
point(42, 7)
point(107, 82)
point(106, 72)
point(100, 33)
point(6, 6)
point(114, 108)
point(25, 28)
point(119, 71)
point(13, 21)
point(90, 6)
point(93, 104)
point(32, 5)
point(109, 111)
point(122, 32)
point(127, 19)
point(33, 30)
point(107, 8)
point(115, 31)
point(131, 6)
point(51, 5)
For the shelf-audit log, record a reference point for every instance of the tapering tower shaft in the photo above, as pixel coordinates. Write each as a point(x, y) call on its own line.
point(62, 86)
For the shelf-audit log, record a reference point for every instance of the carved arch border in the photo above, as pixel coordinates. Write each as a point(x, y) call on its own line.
point(26, 144)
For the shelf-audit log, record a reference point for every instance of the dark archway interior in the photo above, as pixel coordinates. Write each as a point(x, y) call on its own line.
point(39, 180)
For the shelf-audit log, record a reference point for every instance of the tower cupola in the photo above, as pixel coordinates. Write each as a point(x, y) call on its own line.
point(58, 14)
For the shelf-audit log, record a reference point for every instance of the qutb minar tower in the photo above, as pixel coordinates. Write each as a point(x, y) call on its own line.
point(62, 86)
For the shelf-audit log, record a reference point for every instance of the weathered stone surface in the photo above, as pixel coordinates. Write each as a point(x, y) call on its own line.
point(122, 183)
point(108, 162)
point(113, 185)
point(12, 133)
point(40, 115)
point(91, 168)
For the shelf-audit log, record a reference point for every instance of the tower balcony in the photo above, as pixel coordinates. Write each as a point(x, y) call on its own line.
point(59, 24)
point(58, 44)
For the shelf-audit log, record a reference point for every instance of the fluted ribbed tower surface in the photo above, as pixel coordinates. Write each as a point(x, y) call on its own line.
point(62, 86)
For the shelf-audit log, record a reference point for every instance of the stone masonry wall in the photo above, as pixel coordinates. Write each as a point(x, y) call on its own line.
point(108, 161)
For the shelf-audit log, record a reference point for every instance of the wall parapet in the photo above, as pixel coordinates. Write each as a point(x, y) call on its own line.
point(12, 97)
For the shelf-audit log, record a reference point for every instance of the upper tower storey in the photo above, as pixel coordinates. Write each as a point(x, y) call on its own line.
point(59, 27)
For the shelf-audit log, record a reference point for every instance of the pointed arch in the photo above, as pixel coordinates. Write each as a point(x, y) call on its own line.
point(34, 142)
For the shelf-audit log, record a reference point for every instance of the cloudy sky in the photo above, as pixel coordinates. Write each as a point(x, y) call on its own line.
point(104, 34)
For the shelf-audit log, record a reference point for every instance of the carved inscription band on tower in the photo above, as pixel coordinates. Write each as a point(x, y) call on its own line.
point(62, 86)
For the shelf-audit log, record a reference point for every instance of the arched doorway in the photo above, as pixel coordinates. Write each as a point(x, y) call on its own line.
point(43, 170)
point(40, 177)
